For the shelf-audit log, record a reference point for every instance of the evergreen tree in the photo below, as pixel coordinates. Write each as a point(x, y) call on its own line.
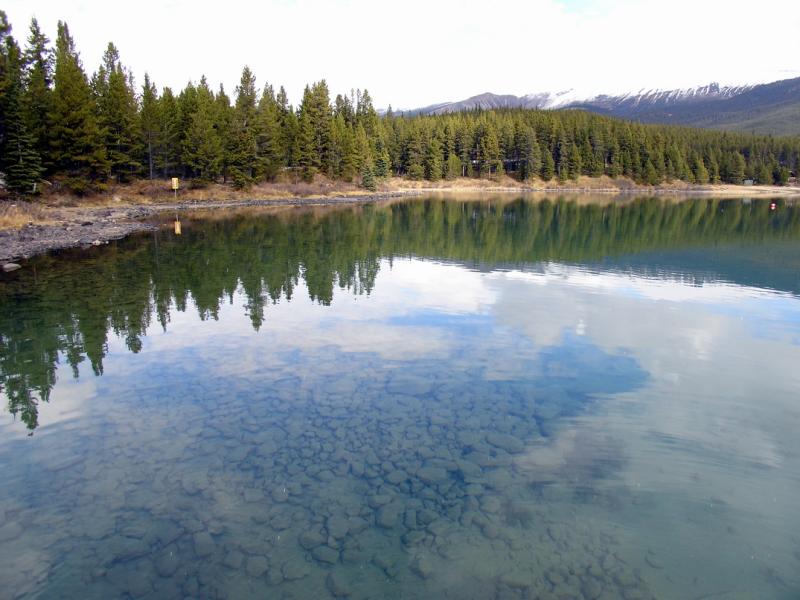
point(764, 174)
point(242, 141)
point(117, 115)
point(699, 171)
point(368, 178)
point(433, 160)
point(186, 103)
point(414, 155)
point(222, 116)
point(737, 168)
point(19, 159)
point(548, 166)
point(529, 155)
point(383, 163)
point(489, 155)
point(38, 88)
point(202, 148)
point(314, 135)
point(76, 145)
point(168, 159)
point(268, 136)
point(150, 124)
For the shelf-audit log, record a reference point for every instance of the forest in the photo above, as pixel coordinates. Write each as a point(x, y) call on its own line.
point(282, 256)
point(61, 128)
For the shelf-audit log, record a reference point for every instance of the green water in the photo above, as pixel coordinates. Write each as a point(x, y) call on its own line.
point(498, 398)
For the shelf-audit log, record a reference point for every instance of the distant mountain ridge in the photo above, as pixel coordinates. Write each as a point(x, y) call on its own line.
point(771, 108)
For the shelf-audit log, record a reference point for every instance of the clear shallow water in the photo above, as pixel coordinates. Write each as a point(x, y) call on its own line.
point(496, 399)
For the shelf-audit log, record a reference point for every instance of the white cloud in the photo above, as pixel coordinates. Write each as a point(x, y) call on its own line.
point(413, 53)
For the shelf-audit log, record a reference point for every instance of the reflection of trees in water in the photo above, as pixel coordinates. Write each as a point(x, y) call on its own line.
point(63, 309)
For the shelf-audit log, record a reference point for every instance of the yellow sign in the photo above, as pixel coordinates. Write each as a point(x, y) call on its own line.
point(175, 183)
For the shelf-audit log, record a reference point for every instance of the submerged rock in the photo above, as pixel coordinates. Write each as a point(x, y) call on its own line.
point(295, 569)
point(338, 584)
point(338, 527)
point(256, 566)
point(311, 539)
point(8, 267)
point(422, 566)
point(203, 544)
point(167, 562)
point(432, 475)
point(325, 554)
point(506, 442)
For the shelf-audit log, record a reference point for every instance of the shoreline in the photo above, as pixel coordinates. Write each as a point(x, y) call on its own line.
point(68, 227)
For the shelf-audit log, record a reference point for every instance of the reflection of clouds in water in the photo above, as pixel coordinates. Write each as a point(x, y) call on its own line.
point(67, 403)
point(574, 455)
point(721, 358)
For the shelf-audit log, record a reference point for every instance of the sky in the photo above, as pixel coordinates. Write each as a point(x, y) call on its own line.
point(416, 52)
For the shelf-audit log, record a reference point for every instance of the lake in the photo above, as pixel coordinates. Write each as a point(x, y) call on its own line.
point(464, 397)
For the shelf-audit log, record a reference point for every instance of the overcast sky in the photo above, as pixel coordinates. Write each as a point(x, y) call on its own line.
point(416, 52)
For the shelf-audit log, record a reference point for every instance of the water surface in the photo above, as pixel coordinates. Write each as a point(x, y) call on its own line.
point(496, 398)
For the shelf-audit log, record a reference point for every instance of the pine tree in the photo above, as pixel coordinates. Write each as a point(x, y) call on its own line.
point(699, 171)
point(242, 144)
point(314, 129)
point(19, 159)
point(117, 115)
point(737, 168)
point(764, 174)
point(268, 136)
point(489, 155)
point(168, 159)
point(548, 166)
point(368, 178)
point(186, 103)
point(383, 162)
point(530, 159)
point(222, 117)
point(76, 140)
point(202, 148)
point(433, 159)
point(414, 155)
point(38, 88)
point(150, 124)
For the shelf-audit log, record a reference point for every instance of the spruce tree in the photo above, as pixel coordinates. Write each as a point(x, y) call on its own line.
point(76, 140)
point(548, 165)
point(168, 158)
point(529, 154)
point(150, 124)
point(737, 168)
point(433, 159)
point(117, 112)
point(269, 151)
point(222, 117)
point(38, 88)
point(19, 159)
point(314, 129)
point(489, 155)
point(242, 141)
point(202, 147)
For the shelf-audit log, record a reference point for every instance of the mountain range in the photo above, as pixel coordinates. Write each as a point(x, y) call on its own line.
point(770, 108)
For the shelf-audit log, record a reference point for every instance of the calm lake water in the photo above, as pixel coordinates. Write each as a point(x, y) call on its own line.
point(495, 398)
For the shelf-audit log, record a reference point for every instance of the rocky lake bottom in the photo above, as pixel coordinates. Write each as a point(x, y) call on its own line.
point(414, 422)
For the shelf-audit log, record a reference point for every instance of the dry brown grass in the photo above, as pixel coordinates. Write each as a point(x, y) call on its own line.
point(289, 186)
point(15, 215)
point(159, 191)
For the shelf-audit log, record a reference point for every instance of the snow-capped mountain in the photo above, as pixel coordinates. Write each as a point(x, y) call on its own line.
point(765, 108)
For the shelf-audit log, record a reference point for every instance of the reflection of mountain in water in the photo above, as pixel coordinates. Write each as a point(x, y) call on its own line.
point(64, 309)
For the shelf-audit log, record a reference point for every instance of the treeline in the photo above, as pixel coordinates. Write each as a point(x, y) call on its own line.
point(59, 125)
